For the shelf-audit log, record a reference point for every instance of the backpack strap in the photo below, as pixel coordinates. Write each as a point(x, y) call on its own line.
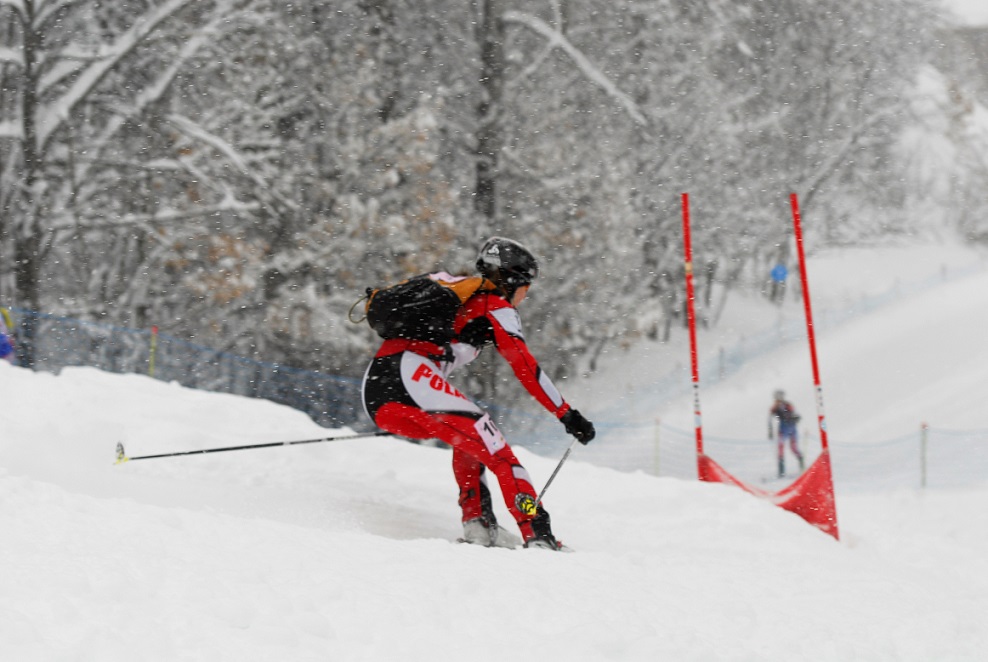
point(420, 347)
point(464, 288)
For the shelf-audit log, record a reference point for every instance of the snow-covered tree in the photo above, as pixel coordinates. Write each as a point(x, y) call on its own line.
point(238, 171)
point(82, 81)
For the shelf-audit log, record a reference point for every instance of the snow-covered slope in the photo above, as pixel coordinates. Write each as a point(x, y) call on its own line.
point(890, 321)
point(344, 550)
point(898, 332)
point(967, 12)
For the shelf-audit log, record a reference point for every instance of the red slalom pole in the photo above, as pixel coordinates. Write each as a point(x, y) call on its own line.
point(809, 320)
point(691, 317)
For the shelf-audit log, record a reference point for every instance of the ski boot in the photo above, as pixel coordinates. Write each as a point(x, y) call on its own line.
point(485, 530)
point(542, 533)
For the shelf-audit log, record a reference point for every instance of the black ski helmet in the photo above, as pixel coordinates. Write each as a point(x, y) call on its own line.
point(507, 264)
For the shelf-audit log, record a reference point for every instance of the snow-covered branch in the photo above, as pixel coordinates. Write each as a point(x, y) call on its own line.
point(169, 216)
point(11, 129)
point(54, 115)
point(159, 86)
point(16, 5)
point(200, 134)
point(48, 11)
point(10, 56)
point(559, 40)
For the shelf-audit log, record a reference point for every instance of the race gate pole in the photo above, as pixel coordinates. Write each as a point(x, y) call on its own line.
point(691, 317)
point(798, 230)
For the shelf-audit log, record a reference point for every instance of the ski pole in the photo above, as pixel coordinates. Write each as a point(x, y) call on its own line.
point(122, 455)
point(558, 467)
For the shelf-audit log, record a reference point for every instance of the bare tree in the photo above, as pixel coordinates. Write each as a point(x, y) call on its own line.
point(65, 67)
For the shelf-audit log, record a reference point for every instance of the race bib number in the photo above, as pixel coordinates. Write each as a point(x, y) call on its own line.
point(491, 436)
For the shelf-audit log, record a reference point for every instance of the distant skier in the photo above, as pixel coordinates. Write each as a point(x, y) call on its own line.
point(6, 344)
point(405, 389)
point(783, 412)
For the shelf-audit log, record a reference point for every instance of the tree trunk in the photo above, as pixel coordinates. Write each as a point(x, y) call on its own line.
point(489, 138)
point(27, 239)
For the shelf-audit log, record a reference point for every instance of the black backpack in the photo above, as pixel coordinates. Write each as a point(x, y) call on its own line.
point(420, 308)
point(788, 415)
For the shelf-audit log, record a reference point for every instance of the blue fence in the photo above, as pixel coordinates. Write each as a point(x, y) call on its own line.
point(625, 444)
point(58, 342)
point(330, 400)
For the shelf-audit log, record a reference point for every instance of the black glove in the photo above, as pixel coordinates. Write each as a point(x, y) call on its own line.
point(578, 426)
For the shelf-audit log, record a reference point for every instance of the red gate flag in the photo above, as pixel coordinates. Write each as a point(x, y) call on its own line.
point(811, 496)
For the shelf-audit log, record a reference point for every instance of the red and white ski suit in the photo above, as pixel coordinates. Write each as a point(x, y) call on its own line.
point(406, 391)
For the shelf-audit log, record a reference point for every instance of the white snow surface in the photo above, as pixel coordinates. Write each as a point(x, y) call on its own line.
point(967, 12)
point(345, 550)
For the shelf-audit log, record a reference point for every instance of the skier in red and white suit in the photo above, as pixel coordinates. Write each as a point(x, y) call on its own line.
point(407, 392)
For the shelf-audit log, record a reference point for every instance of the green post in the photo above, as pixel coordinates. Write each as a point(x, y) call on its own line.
point(154, 350)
